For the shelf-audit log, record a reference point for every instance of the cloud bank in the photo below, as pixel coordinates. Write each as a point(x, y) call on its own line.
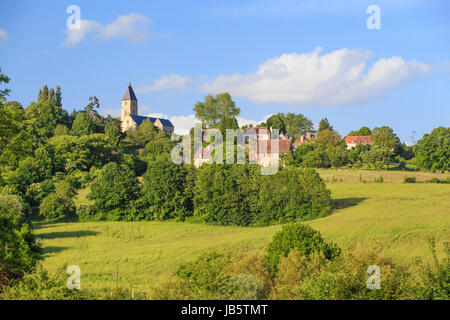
point(336, 78)
point(132, 28)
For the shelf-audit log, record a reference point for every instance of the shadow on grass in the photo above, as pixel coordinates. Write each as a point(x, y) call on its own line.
point(67, 234)
point(46, 251)
point(346, 202)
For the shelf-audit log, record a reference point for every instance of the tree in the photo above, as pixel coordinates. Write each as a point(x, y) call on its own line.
point(296, 124)
point(324, 125)
point(113, 134)
point(318, 158)
point(385, 137)
point(378, 156)
point(43, 116)
point(363, 131)
point(114, 189)
point(15, 141)
point(3, 93)
point(18, 250)
point(337, 156)
point(164, 190)
point(90, 108)
point(226, 194)
point(293, 194)
point(301, 151)
point(215, 109)
point(328, 137)
point(433, 150)
point(83, 125)
point(302, 238)
point(55, 207)
point(276, 122)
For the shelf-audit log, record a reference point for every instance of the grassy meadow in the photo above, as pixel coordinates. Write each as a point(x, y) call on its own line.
point(395, 218)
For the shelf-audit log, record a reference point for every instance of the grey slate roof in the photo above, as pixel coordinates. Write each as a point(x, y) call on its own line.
point(129, 94)
point(139, 119)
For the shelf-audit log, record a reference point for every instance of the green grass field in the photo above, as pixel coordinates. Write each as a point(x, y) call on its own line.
point(396, 218)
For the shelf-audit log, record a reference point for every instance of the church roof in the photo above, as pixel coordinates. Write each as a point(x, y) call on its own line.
point(129, 94)
point(139, 119)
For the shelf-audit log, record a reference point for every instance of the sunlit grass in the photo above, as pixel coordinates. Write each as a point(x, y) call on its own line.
point(396, 218)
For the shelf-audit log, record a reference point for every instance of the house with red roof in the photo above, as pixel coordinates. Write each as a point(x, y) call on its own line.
point(353, 141)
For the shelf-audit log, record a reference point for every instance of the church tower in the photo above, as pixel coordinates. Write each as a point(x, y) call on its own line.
point(129, 103)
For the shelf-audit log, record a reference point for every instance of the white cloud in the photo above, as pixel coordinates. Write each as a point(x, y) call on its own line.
point(132, 27)
point(243, 121)
point(3, 37)
point(336, 78)
point(166, 82)
point(182, 124)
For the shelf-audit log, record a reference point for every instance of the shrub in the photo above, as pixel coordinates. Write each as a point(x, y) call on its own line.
point(242, 287)
point(164, 190)
point(85, 212)
point(55, 207)
point(294, 194)
point(433, 150)
point(226, 194)
point(409, 179)
point(18, 250)
point(378, 180)
point(114, 189)
point(205, 277)
point(304, 239)
point(40, 285)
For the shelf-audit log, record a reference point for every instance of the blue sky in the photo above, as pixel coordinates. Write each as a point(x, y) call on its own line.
point(312, 57)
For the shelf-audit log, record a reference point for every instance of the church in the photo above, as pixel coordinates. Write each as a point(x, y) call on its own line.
point(130, 118)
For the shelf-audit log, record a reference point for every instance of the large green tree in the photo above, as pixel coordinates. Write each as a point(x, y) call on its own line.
point(385, 137)
point(433, 150)
point(215, 109)
point(114, 190)
point(164, 190)
point(324, 124)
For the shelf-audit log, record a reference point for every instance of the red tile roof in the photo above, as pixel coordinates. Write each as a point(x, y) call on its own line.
point(358, 139)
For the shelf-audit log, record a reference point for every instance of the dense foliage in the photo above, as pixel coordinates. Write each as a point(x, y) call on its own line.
point(433, 150)
point(303, 239)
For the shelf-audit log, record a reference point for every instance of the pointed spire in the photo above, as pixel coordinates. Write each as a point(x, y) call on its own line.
point(129, 94)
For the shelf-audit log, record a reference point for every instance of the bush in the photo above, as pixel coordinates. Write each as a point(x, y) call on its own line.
point(55, 207)
point(242, 287)
point(378, 180)
point(164, 190)
point(226, 194)
point(85, 212)
point(304, 239)
point(206, 277)
point(18, 250)
point(436, 180)
point(294, 194)
point(39, 285)
point(409, 179)
point(113, 190)
point(433, 150)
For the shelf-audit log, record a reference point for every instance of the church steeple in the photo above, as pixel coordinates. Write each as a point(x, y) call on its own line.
point(129, 94)
point(129, 104)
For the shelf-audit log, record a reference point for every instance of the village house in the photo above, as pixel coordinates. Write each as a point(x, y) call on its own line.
point(266, 153)
point(353, 141)
point(130, 118)
point(306, 138)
